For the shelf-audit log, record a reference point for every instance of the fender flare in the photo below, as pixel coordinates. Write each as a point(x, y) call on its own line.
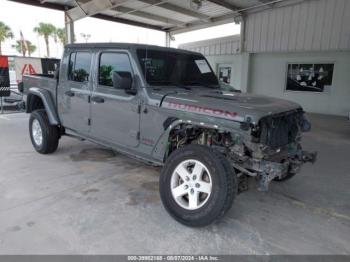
point(48, 103)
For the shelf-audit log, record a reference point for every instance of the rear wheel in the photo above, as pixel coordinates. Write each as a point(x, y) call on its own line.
point(44, 136)
point(197, 185)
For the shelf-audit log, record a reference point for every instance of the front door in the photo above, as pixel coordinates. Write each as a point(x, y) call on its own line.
point(114, 113)
point(74, 92)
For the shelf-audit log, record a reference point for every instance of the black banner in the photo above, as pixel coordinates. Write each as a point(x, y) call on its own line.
point(4, 77)
point(49, 65)
point(309, 77)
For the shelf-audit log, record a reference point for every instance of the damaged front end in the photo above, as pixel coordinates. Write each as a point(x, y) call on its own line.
point(274, 151)
point(269, 150)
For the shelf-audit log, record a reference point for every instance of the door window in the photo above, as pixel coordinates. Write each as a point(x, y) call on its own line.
point(112, 62)
point(79, 66)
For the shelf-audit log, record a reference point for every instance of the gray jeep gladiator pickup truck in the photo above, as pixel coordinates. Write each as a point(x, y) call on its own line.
point(166, 107)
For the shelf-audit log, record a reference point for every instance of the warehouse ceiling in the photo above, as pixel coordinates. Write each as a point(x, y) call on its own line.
point(175, 16)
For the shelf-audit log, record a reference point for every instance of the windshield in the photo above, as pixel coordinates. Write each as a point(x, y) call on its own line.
point(167, 68)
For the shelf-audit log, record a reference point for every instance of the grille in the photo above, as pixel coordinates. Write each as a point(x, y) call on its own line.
point(280, 130)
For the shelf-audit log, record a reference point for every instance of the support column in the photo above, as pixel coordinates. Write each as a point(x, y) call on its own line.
point(245, 72)
point(69, 27)
point(245, 56)
point(242, 33)
point(167, 39)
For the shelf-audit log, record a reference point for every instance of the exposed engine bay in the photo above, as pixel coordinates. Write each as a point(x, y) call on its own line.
point(267, 151)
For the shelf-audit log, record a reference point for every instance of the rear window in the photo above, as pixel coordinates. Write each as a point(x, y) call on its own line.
point(79, 66)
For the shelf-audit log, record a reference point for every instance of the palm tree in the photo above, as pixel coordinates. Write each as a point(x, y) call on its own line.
point(5, 32)
point(23, 51)
point(46, 30)
point(61, 35)
point(31, 48)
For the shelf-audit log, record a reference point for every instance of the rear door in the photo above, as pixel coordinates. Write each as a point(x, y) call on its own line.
point(74, 92)
point(114, 113)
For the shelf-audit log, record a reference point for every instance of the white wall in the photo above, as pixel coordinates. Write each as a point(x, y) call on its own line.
point(268, 77)
point(235, 61)
point(313, 25)
point(219, 46)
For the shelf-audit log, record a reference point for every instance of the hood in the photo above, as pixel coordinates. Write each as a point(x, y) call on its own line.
point(229, 105)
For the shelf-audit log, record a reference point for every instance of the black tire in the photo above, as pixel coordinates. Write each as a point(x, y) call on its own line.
point(50, 133)
point(224, 186)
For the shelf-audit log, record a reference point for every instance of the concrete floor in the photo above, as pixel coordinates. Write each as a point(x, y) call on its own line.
point(87, 200)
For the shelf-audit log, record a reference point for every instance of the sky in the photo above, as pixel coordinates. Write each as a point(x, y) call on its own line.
point(20, 17)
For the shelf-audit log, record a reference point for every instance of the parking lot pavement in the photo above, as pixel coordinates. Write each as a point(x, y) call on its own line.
point(84, 199)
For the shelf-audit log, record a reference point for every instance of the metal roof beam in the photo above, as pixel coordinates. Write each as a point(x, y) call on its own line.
point(91, 8)
point(158, 18)
point(225, 4)
point(225, 19)
point(128, 22)
point(40, 4)
point(177, 9)
point(266, 2)
point(228, 18)
point(60, 7)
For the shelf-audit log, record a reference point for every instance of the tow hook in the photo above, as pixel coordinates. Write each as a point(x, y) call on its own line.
point(268, 171)
point(264, 180)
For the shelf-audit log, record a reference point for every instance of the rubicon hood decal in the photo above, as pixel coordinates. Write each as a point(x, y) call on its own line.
point(233, 106)
point(204, 111)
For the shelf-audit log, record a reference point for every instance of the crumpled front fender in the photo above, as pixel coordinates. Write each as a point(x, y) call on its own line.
point(160, 150)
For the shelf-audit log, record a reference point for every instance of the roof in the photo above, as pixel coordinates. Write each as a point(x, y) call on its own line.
point(175, 16)
point(126, 46)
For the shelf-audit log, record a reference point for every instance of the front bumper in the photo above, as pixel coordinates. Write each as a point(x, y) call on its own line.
point(265, 171)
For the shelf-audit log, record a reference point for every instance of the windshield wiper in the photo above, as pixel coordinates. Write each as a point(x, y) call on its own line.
point(160, 82)
point(193, 83)
point(169, 83)
point(198, 83)
point(184, 87)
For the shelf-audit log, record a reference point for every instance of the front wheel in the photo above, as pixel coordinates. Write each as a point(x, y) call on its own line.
point(43, 135)
point(197, 185)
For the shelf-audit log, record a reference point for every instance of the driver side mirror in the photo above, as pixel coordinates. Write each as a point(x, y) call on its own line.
point(123, 80)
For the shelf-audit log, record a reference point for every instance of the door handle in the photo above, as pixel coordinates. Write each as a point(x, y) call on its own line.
point(97, 99)
point(69, 93)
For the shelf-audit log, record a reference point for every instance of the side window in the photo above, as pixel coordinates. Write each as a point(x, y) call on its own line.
point(112, 62)
point(79, 66)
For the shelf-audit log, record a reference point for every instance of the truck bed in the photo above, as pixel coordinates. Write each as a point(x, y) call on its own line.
point(47, 82)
